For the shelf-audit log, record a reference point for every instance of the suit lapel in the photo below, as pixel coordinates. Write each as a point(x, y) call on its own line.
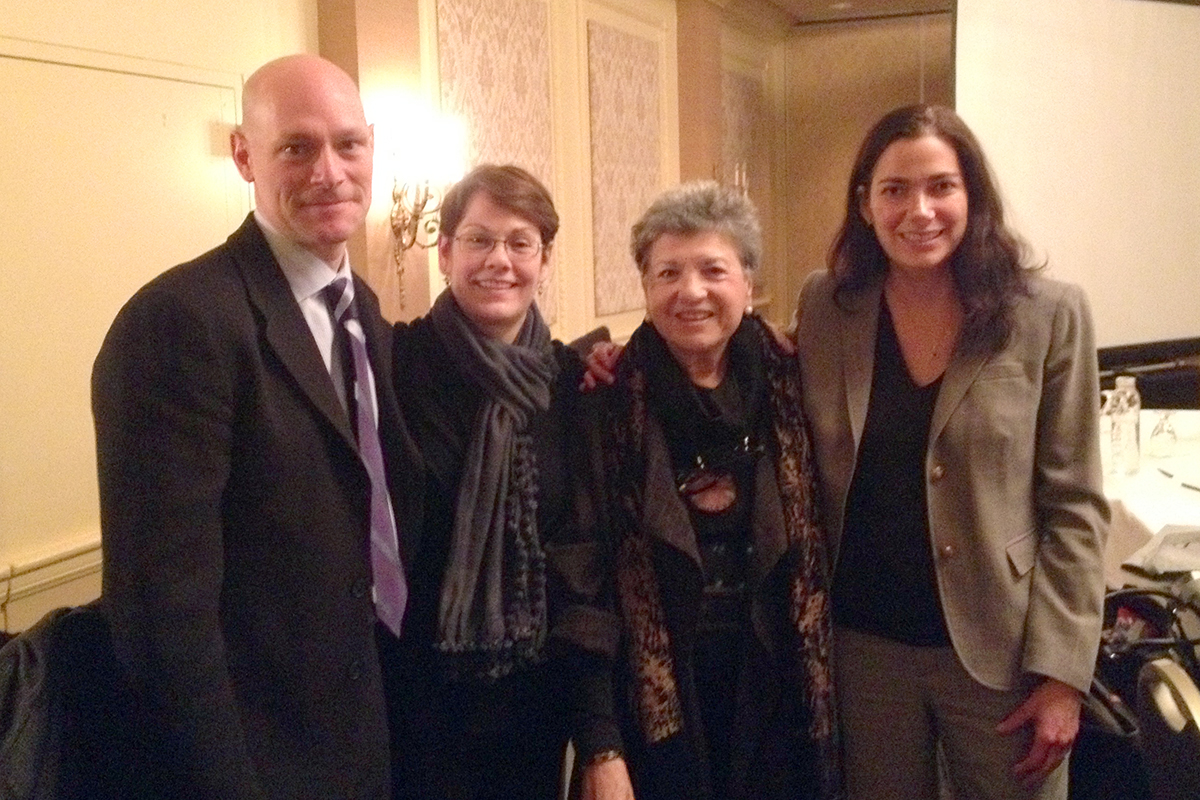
point(284, 328)
point(960, 374)
point(858, 328)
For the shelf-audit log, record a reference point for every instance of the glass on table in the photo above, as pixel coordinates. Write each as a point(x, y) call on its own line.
point(1162, 438)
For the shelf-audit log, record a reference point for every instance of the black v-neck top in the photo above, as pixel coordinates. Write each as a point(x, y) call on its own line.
point(884, 582)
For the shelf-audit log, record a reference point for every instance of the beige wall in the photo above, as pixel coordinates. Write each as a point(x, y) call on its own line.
point(115, 137)
point(838, 79)
point(227, 35)
point(121, 138)
point(700, 123)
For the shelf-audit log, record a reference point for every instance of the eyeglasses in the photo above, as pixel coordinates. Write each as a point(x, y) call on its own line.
point(520, 247)
point(711, 467)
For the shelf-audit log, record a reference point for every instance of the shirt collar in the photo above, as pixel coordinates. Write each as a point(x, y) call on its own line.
point(306, 273)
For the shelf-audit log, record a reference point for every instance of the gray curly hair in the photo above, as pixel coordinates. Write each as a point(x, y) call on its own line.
point(699, 207)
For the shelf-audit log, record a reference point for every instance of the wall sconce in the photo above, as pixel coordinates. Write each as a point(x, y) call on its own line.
point(741, 179)
point(414, 217)
point(422, 151)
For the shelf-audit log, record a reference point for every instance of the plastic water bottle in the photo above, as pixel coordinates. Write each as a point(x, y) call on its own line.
point(1106, 436)
point(1126, 411)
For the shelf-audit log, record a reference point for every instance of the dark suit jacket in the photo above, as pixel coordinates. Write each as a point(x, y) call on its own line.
point(1016, 509)
point(235, 517)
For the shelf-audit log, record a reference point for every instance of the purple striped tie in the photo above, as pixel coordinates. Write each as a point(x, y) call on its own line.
point(391, 589)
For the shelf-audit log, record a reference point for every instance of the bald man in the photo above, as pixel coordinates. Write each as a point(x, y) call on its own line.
point(235, 506)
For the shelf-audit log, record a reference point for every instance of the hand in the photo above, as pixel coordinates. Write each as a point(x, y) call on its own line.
point(601, 365)
point(608, 780)
point(785, 342)
point(1053, 710)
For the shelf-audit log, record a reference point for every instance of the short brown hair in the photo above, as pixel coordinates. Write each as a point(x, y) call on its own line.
point(509, 187)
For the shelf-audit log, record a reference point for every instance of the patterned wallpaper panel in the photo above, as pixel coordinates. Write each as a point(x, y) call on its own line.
point(494, 69)
point(623, 80)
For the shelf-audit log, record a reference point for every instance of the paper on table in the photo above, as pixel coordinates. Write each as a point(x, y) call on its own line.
point(1175, 548)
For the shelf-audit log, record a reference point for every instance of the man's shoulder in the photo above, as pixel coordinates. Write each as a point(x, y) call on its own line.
point(214, 277)
point(207, 296)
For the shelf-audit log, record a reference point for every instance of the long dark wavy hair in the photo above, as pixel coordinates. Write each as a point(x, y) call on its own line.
point(992, 264)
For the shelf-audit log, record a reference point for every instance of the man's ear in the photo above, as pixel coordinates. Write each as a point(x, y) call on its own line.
point(240, 149)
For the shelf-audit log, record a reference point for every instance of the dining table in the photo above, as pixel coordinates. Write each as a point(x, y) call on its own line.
point(1160, 499)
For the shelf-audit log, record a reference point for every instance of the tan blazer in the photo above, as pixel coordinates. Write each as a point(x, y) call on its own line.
point(1017, 515)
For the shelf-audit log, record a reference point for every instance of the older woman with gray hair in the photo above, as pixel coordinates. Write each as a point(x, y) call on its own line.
point(724, 689)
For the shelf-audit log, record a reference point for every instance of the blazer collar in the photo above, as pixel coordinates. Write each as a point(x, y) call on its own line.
point(859, 326)
point(957, 379)
point(284, 328)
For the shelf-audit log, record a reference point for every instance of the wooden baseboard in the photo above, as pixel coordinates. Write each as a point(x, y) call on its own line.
point(31, 588)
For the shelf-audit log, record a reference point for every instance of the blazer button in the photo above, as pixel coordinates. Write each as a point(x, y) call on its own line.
point(947, 551)
point(356, 669)
point(937, 473)
point(360, 588)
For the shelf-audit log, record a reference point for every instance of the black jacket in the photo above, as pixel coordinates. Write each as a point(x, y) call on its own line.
point(64, 722)
point(235, 517)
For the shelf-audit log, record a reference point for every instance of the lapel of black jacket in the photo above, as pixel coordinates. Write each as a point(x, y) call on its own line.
point(283, 325)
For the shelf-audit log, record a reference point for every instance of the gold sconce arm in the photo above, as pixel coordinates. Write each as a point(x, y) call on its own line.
point(414, 220)
point(415, 208)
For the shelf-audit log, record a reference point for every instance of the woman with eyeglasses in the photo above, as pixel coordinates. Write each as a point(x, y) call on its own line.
point(724, 689)
point(505, 633)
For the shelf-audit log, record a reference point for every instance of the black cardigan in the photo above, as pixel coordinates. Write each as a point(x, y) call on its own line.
point(441, 405)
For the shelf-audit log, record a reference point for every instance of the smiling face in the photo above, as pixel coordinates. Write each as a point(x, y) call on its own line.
point(306, 146)
point(696, 293)
point(496, 288)
point(917, 204)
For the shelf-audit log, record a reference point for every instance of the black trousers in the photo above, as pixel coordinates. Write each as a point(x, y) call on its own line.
point(473, 740)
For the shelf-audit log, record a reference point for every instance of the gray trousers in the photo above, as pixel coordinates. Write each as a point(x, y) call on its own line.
point(902, 705)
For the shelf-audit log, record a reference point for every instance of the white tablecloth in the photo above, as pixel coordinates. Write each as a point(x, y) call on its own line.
point(1158, 494)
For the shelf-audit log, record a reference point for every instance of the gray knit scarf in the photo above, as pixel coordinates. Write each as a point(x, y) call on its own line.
point(492, 610)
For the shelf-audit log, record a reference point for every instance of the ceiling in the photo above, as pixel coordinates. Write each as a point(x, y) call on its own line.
point(802, 11)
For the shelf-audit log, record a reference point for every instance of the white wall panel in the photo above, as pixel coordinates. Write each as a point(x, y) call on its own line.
point(1090, 113)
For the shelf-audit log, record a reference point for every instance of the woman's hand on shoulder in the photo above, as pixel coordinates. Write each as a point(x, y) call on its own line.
point(601, 364)
point(782, 339)
point(606, 780)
